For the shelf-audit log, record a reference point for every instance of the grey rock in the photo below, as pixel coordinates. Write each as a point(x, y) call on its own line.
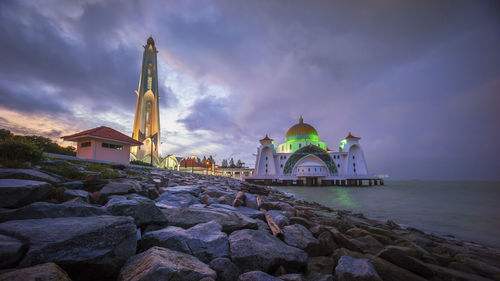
point(121, 187)
point(257, 276)
point(287, 209)
point(252, 213)
point(88, 247)
point(142, 209)
point(41, 272)
point(41, 210)
point(353, 269)
point(192, 216)
point(28, 174)
point(322, 265)
point(11, 251)
point(444, 273)
point(225, 268)
point(17, 193)
point(367, 244)
point(398, 257)
point(194, 190)
point(298, 236)
point(205, 241)
point(74, 184)
point(291, 277)
point(164, 264)
point(227, 199)
point(76, 193)
point(179, 200)
point(279, 218)
point(256, 250)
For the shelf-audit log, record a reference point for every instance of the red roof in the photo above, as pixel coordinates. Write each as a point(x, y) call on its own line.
point(189, 162)
point(266, 138)
point(351, 137)
point(103, 132)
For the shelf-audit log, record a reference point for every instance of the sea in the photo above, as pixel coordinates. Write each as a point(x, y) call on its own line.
point(467, 210)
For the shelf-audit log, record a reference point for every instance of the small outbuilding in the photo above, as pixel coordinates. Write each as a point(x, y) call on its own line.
point(103, 143)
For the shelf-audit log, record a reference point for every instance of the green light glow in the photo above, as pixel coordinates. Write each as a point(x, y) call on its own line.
point(342, 143)
point(345, 198)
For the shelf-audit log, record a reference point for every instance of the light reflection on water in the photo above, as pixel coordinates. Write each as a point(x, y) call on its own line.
point(468, 210)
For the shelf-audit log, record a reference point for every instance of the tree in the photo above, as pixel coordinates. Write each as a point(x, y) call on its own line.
point(239, 164)
point(5, 134)
point(231, 163)
point(224, 163)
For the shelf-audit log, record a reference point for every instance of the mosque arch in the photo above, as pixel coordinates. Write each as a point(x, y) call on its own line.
point(169, 162)
point(356, 164)
point(310, 150)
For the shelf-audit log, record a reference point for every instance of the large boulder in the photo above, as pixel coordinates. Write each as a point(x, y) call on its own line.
point(279, 218)
point(225, 268)
point(386, 270)
point(353, 269)
point(367, 244)
point(192, 216)
point(120, 187)
point(164, 264)
point(86, 247)
point(11, 251)
point(28, 174)
point(176, 200)
point(257, 250)
point(194, 190)
point(41, 210)
point(257, 276)
point(298, 236)
point(16, 193)
point(398, 257)
point(249, 212)
point(70, 194)
point(205, 241)
point(321, 265)
point(142, 209)
point(41, 272)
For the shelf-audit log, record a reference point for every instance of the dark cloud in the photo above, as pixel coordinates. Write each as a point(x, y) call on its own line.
point(209, 113)
point(415, 79)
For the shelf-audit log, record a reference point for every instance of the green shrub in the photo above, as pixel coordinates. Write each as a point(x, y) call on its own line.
point(15, 153)
point(66, 170)
point(139, 162)
point(106, 171)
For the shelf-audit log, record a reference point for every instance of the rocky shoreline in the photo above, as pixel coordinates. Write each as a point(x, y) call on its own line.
point(129, 223)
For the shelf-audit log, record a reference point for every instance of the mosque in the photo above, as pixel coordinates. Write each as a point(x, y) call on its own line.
point(305, 160)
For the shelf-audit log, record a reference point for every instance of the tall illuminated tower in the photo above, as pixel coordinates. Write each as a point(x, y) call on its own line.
point(147, 112)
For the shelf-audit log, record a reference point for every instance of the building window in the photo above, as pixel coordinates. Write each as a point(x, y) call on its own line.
point(315, 169)
point(302, 169)
point(353, 157)
point(308, 169)
point(300, 145)
point(284, 157)
point(112, 146)
point(266, 171)
point(354, 164)
point(338, 165)
point(355, 170)
point(266, 165)
point(266, 158)
point(85, 144)
point(150, 83)
point(281, 165)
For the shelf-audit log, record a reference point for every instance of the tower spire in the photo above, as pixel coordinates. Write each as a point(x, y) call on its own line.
point(301, 120)
point(147, 113)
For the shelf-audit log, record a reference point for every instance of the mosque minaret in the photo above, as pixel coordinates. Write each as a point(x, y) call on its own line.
point(147, 113)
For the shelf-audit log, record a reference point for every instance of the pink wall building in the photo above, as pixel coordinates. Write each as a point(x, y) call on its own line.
point(103, 143)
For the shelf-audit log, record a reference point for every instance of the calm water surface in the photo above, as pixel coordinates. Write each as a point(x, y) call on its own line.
point(467, 210)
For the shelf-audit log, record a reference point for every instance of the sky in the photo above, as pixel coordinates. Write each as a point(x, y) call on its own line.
point(418, 81)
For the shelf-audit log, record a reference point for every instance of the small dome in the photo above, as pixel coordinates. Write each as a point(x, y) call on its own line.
point(151, 41)
point(302, 130)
